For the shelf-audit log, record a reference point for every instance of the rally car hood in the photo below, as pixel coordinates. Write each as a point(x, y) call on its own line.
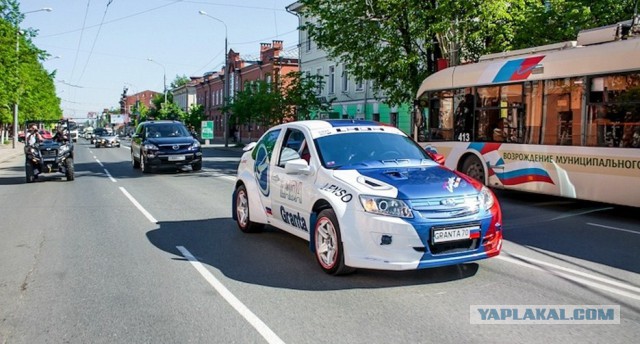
point(419, 181)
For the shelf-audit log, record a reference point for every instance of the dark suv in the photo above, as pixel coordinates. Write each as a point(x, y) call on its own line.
point(164, 144)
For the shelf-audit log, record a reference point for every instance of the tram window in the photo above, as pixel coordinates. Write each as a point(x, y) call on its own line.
point(614, 111)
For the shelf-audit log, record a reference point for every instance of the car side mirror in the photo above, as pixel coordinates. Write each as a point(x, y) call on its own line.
point(439, 158)
point(297, 166)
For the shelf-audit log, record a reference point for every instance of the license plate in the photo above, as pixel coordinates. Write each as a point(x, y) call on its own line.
point(176, 157)
point(454, 234)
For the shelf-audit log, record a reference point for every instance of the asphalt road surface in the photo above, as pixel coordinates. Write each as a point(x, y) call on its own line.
point(118, 256)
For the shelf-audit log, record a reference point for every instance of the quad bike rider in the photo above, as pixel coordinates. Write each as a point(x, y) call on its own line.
point(48, 156)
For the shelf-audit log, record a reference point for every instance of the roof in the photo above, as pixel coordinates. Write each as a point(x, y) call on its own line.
point(319, 128)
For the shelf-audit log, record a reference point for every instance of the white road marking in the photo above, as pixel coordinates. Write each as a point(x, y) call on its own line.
point(614, 228)
point(109, 175)
point(614, 287)
point(258, 324)
point(580, 213)
point(99, 163)
point(142, 210)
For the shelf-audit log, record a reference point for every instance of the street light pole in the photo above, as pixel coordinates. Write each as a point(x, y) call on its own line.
point(15, 104)
point(164, 78)
point(225, 90)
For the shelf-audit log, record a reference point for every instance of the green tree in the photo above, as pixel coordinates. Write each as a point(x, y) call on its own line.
point(393, 42)
point(168, 110)
point(23, 79)
point(300, 96)
point(258, 103)
point(195, 116)
point(180, 81)
point(292, 97)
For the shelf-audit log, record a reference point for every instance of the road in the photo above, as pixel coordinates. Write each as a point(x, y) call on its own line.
point(121, 257)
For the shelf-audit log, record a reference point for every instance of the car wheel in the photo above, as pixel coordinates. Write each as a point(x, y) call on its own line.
point(473, 168)
point(70, 169)
point(242, 212)
point(134, 163)
point(97, 145)
point(328, 244)
point(28, 168)
point(143, 164)
point(196, 166)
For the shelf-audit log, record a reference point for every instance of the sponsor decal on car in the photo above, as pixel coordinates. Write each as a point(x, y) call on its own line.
point(338, 191)
point(261, 169)
point(295, 220)
point(291, 190)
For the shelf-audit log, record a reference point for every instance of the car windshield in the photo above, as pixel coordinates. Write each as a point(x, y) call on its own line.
point(354, 148)
point(167, 130)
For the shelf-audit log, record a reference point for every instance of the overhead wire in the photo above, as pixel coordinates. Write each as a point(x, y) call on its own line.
point(84, 23)
point(104, 15)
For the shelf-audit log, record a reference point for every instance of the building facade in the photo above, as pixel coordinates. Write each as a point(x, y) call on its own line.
point(145, 98)
point(349, 98)
point(272, 64)
point(185, 96)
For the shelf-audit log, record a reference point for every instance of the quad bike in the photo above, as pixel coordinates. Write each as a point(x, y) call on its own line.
point(49, 157)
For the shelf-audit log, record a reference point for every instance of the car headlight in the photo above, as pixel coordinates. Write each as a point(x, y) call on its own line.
point(150, 146)
point(385, 206)
point(485, 198)
point(195, 145)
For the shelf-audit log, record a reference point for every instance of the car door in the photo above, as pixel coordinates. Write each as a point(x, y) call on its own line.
point(262, 156)
point(136, 141)
point(293, 192)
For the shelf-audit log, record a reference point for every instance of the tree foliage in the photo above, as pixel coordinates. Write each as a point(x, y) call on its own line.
point(292, 97)
point(23, 79)
point(180, 81)
point(394, 42)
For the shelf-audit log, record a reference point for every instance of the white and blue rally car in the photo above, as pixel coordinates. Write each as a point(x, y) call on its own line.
point(365, 196)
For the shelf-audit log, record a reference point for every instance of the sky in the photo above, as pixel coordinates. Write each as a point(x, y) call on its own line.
point(99, 47)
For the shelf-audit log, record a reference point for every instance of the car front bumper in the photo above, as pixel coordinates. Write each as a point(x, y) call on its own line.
point(162, 161)
point(389, 243)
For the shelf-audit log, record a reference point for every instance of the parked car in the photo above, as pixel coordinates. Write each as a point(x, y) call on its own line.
point(164, 145)
point(365, 196)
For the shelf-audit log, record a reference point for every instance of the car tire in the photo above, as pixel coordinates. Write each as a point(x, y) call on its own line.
point(329, 250)
point(243, 217)
point(70, 173)
point(196, 166)
point(134, 163)
point(473, 168)
point(28, 169)
point(97, 145)
point(143, 165)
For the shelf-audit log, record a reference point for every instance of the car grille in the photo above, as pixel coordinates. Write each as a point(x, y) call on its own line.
point(170, 147)
point(49, 153)
point(446, 207)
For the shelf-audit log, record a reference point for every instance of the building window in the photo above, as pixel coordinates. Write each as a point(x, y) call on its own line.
point(332, 78)
point(308, 42)
point(345, 79)
point(320, 77)
point(359, 85)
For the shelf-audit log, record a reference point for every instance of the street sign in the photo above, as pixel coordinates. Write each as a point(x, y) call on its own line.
point(207, 130)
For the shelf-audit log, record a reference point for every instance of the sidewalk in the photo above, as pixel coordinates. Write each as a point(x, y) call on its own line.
point(7, 152)
point(219, 144)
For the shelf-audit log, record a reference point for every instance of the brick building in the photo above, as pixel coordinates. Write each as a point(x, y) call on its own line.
point(273, 63)
point(144, 97)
